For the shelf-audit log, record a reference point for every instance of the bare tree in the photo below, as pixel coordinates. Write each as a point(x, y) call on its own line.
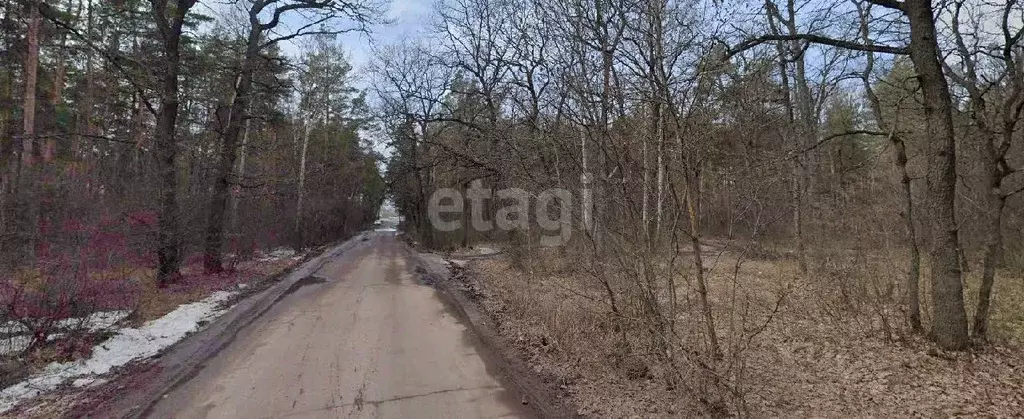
point(989, 70)
point(348, 16)
point(950, 319)
point(170, 19)
point(31, 71)
point(900, 158)
point(412, 84)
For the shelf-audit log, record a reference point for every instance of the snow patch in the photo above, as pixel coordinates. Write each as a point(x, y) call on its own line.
point(129, 344)
point(277, 254)
point(18, 338)
point(88, 382)
point(15, 344)
point(94, 322)
point(387, 224)
point(484, 250)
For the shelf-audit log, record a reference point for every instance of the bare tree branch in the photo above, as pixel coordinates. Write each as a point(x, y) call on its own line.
point(814, 39)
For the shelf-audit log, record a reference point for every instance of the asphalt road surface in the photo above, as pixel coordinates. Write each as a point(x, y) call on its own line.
point(363, 339)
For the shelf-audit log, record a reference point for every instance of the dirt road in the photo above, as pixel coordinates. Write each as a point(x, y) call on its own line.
point(363, 339)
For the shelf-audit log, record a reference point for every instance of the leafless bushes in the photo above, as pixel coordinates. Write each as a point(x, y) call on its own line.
point(60, 303)
point(653, 338)
point(705, 160)
point(81, 276)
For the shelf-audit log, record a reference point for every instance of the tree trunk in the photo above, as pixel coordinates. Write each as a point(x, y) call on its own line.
point(798, 214)
point(241, 173)
point(913, 280)
point(31, 75)
point(785, 50)
point(168, 248)
point(654, 44)
point(807, 127)
point(914, 273)
point(168, 234)
point(421, 153)
point(302, 190)
point(949, 326)
point(49, 147)
point(87, 99)
point(693, 208)
point(994, 145)
point(646, 179)
point(213, 253)
point(995, 203)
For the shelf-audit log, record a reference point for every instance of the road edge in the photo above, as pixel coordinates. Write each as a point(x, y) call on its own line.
point(185, 359)
point(544, 398)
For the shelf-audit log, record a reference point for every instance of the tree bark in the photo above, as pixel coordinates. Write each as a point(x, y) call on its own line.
point(213, 253)
point(302, 189)
point(241, 173)
point(692, 208)
point(87, 99)
point(797, 136)
point(949, 326)
point(168, 233)
point(49, 147)
point(995, 145)
point(993, 254)
point(31, 76)
point(914, 272)
point(655, 69)
point(421, 154)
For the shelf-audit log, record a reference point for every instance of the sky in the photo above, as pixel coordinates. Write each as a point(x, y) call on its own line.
point(408, 17)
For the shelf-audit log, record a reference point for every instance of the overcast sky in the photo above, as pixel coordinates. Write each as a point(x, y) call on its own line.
point(408, 17)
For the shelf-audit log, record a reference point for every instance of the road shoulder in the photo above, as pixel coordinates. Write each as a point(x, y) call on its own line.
point(133, 393)
point(544, 395)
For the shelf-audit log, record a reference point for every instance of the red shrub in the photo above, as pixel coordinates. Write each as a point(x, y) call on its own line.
point(87, 271)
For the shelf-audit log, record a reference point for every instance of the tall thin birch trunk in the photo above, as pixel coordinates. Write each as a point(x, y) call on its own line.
point(241, 173)
point(302, 189)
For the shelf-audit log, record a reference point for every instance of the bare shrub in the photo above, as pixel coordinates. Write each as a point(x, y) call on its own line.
point(72, 289)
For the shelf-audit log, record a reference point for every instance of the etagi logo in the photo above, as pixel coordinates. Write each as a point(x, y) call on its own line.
point(552, 210)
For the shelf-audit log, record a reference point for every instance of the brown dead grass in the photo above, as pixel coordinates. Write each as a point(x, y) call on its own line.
point(156, 302)
point(808, 363)
point(825, 352)
point(564, 331)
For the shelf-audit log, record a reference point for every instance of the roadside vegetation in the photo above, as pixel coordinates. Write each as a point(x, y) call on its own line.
point(153, 153)
point(799, 208)
point(780, 208)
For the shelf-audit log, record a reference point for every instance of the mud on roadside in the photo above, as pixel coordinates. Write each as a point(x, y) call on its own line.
point(547, 394)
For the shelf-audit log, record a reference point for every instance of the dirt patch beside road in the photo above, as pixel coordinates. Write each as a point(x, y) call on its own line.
point(546, 393)
point(580, 376)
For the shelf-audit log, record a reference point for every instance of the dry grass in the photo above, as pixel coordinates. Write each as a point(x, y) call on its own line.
point(565, 330)
point(836, 346)
point(827, 354)
point(1006, 321)
point(155, 302)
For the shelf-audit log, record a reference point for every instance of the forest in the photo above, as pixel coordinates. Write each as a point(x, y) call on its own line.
point(797, 208)
point(153, 147)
